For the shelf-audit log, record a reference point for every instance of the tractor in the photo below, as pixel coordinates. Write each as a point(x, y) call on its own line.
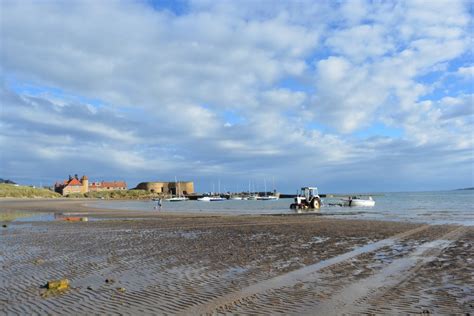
point(308, 199)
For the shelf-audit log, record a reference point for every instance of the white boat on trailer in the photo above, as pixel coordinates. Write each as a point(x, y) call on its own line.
point(357, 201)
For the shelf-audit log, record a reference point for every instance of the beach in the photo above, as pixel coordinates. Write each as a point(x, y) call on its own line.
point(137, 262)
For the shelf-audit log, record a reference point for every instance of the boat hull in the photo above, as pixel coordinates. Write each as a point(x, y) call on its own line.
point(211, 199)
point(359, 203)
point(176, 199)
point(267, 198)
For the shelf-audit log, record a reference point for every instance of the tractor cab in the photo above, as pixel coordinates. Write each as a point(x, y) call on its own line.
point(309, 192)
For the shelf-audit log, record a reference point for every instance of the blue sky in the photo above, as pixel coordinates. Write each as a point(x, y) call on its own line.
point(347, 96)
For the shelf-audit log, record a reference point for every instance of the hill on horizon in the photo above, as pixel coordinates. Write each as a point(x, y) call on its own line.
point(7, 181)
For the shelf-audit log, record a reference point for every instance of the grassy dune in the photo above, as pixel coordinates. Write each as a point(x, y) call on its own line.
point(116, 195)
point(11, 191)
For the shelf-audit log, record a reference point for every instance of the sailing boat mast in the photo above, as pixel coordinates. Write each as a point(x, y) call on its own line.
point(177, 193)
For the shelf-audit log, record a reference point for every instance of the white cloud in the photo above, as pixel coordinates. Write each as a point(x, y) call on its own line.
point(375, 67)
point(466, 72)
point(352, 104)
point(354, 11)
point(361, 42)
point(283, 99)
point(166, 80)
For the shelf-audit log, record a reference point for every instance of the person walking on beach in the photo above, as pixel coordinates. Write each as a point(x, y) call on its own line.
point(158, 204)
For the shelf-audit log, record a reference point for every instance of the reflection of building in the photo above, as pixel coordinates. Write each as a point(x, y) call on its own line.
point(76, 185)
point(175, 188)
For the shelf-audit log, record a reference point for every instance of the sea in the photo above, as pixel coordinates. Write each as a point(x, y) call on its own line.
point(436, 207)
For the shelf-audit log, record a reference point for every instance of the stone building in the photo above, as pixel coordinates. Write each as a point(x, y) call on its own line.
point(76, 185)
point(174, 188)
point(73, 185)
point(107, 186)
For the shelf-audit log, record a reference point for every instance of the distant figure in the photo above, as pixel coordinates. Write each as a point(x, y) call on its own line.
point(158, 204)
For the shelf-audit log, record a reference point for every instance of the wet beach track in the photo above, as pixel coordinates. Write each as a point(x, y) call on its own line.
point(237, 264)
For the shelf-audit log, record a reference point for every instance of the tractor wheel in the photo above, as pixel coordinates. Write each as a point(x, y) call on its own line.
point(315, 203)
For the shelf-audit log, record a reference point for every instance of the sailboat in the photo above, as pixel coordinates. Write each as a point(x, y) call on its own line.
point(272, 197)
point(213, 197)
point(252, 196)
point(268, 198)
point(178, 197)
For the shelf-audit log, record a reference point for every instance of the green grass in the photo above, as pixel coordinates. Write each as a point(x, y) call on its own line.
point(116, 195)
point(12, 191)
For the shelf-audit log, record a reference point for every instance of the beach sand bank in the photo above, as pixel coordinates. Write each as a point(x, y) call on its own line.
point(132, 262)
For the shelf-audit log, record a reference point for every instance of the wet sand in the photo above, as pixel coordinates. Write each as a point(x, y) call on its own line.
point(163, 263)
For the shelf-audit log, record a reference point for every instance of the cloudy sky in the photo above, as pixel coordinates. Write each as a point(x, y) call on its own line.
point(345, 95)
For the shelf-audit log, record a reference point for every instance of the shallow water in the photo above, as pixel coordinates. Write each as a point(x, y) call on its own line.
point(455, 207)
point(42, 217)
point(27, 216)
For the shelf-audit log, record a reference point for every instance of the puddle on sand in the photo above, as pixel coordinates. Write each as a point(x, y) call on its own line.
point(10, 216)
point(26, 217)
point(314, 240)
point(46, 217)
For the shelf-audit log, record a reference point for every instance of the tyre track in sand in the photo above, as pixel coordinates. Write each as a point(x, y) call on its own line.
point(323, 292)
point(244, 295)
point(357, 297)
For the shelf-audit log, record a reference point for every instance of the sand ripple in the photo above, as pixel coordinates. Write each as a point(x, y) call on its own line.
point(248, 265)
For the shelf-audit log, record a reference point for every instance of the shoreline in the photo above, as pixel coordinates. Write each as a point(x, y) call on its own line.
point(188, 263)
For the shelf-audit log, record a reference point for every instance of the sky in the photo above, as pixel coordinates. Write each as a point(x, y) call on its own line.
point(348, 96)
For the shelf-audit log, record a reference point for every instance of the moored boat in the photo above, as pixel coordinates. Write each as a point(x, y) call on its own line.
point(268, 198)
point(211, 199)
point(177, 199)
